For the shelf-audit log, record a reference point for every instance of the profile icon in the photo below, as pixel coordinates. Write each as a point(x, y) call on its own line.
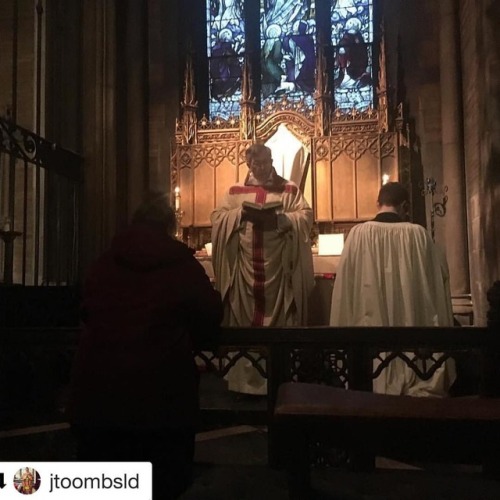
point(27, 481)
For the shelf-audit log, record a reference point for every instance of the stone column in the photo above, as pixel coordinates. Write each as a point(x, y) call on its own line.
point(456, 239)
point(99, 126)
point(136, 103)
point(165, 32)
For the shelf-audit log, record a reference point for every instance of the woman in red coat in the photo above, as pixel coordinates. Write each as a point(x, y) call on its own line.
point(146, 300)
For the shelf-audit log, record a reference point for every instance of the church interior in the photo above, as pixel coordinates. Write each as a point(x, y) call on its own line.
point(101, 102)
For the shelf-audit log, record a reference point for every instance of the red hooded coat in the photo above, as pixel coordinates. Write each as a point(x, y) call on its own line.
point(145, 301)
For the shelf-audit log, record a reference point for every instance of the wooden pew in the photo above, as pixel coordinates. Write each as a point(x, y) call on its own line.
point(454, 430)
point(459, 430)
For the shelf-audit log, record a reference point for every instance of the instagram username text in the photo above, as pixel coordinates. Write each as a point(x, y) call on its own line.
point(102, 482)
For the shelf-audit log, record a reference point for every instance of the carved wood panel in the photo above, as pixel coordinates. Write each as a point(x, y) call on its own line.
point(204, 172)
point(344, 176)
point(348, 171)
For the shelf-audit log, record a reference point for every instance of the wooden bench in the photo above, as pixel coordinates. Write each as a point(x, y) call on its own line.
point(457, 430)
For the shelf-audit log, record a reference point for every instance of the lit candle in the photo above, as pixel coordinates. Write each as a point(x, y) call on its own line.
point(177, 198)
point(385, 179)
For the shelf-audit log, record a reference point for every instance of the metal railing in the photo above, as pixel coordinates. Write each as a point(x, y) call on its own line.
point(40, 186)
point(297, 354)
point(42, 357)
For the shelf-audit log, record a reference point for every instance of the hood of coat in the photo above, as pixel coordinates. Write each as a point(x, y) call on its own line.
point(143, 247)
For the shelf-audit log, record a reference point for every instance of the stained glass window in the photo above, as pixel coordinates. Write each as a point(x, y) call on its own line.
point(352, 40)
point(225, 50)
point(288, 52)
point(287, 41)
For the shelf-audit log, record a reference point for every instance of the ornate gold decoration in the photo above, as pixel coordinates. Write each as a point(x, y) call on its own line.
point(402, 128)
point(322, 95)
point(218, 136)
point(337, 147)
point(247, 122)
point(355, 115)
point(357, 145)
point(383, 105)
point(174, 161)
point(284, 104)
point(218, 123)
point(388, 144)
point(210, 152)
point(298, 124)
point(189, 105)
point(322, 147)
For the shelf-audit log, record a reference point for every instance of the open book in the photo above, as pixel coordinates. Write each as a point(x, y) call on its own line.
point(271, 206)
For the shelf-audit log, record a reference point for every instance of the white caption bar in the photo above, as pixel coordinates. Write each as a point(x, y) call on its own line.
point(76, 480)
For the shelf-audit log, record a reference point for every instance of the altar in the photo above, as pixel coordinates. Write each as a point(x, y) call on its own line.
point(338, 157)
point(338, 145)
point(325, 267)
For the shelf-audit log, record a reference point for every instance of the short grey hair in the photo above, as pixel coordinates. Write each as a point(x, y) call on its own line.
point(156, 208)
point(256, 149)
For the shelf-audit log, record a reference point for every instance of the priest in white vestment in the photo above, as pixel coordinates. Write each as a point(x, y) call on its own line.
point(262, 259)
point(392, 274)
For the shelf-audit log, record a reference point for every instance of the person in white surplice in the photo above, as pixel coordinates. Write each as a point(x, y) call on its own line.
point(392, 274)
point(262, 258)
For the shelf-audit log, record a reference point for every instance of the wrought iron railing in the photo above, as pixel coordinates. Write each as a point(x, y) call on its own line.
point(40, 359)
point(40, 186)
point(344, 356)
point(298, 354)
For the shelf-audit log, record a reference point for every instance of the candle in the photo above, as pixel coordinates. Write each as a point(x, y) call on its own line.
point(177, 198)
point(385, 179)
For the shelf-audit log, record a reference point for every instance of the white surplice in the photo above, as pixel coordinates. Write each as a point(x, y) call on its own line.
point(265, 277)
point(392, 274)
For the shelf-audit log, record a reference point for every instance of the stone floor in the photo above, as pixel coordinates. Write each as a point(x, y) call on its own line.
point(231, 462)
point(234, 467)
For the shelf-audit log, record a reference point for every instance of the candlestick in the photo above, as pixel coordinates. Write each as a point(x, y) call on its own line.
point(177, 198)
point(179, 234)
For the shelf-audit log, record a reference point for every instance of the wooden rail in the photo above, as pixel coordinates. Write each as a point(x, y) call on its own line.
point(41, 357)
point(279, 346)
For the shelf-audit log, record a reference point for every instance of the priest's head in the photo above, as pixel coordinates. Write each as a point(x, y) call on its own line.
point(259, 162)
point(393, 197)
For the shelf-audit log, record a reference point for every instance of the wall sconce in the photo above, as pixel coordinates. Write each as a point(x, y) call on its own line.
point(437, 207)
